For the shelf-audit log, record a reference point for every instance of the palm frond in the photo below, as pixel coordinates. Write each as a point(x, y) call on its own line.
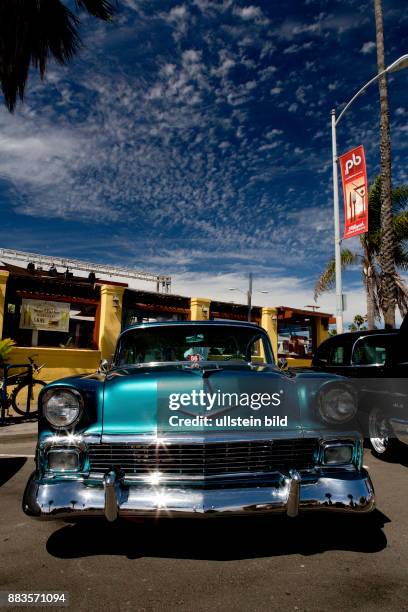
point(401, 225)
point(400, 197)
point(374, 205)
point(102, 9)
point(31, 32)
point(401, 256)
point(402, 295)
point(327, 279)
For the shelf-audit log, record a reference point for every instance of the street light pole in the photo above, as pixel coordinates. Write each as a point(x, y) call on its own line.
point(337, 239)
point(249, 295)
point(399, 64)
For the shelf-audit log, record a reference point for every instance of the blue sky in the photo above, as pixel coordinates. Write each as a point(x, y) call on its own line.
point(193, 139)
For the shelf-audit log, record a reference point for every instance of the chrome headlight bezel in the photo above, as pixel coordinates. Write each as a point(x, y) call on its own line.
point(337, 404)
point(77, 406)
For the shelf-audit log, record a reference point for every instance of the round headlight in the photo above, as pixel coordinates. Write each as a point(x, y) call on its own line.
point(61, 407)
point(337, 405)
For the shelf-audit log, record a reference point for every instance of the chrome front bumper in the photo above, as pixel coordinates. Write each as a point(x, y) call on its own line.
point(346, 492)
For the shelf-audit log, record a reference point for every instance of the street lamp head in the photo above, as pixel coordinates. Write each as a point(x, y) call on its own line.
point(399, 64)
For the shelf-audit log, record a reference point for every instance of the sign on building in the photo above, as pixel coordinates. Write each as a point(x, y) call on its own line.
point(355, 189)
point(44, 315)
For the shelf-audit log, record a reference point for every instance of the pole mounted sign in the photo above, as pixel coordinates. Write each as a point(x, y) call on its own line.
point(355, 189)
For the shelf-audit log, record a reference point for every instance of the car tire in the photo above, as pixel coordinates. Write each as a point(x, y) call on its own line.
point(381, 437)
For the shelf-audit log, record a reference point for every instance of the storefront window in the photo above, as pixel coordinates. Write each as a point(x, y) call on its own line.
point(295, 338)
point(48, 323)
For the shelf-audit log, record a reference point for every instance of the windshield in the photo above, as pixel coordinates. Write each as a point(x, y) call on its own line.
point(193, 343)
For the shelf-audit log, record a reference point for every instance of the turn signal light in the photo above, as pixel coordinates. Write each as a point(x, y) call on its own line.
point(63, 460)
point(338, 454)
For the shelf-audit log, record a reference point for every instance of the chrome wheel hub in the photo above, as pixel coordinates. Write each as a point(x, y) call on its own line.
point(379, 431)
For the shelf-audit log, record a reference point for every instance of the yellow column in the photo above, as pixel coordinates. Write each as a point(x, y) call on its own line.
point(200, 309)
point(322, 329)
point(3, 283)
point(110, 318)
point(269, 321)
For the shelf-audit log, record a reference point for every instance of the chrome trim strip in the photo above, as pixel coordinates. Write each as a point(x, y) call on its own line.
point(316, 471)
point(207, 438)
point(210, 437)
point(160, 477)
point(79, 440)
point(82, 440)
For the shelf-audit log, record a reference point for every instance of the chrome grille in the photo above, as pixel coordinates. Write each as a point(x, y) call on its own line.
point(207, 459)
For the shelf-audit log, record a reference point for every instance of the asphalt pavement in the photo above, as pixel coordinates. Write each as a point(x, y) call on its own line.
point(314, 562)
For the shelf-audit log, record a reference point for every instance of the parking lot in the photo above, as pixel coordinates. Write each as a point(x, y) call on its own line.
point(314, 562)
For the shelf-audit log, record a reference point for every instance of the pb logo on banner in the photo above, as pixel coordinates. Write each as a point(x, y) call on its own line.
point(355, 189)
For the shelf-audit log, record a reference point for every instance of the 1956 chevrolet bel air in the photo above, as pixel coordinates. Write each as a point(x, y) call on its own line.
point(194, 419)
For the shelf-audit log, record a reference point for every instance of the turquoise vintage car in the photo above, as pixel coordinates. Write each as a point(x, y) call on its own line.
point(194, 419)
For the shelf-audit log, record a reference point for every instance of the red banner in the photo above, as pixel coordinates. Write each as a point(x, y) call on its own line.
point(355, 189)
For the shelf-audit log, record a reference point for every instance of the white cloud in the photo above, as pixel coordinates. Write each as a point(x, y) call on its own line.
point(249, 12)
point(178, 12)
point(179, 18)
point(333, 86)
point(368, 47)
point(269, 146)
point(301, 93)
point(296, 48)
point(274, 132)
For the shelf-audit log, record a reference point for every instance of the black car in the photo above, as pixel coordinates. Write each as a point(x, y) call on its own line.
point(377, 361)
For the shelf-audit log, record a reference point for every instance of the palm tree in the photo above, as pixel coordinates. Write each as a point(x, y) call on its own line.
point(359, 321)
point(32, 32)
point(369, 257)
point(388, 279)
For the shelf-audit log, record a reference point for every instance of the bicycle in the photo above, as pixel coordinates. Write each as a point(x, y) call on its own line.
point(26, 390)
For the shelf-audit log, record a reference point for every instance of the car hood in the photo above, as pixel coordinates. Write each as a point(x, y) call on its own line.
point(137, 400)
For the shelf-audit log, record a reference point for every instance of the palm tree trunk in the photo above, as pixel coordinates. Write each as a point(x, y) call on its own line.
point(388, 288)
point(370, 295)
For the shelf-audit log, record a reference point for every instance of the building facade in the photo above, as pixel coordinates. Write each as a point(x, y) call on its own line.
point(70, 323)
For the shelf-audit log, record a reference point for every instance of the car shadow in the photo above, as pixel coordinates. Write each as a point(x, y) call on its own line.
point(10, 466)
point(399, 457)
point(221, 539)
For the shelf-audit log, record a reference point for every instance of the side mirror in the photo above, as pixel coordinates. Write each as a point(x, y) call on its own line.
point(104, 365)
point(282, 363)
